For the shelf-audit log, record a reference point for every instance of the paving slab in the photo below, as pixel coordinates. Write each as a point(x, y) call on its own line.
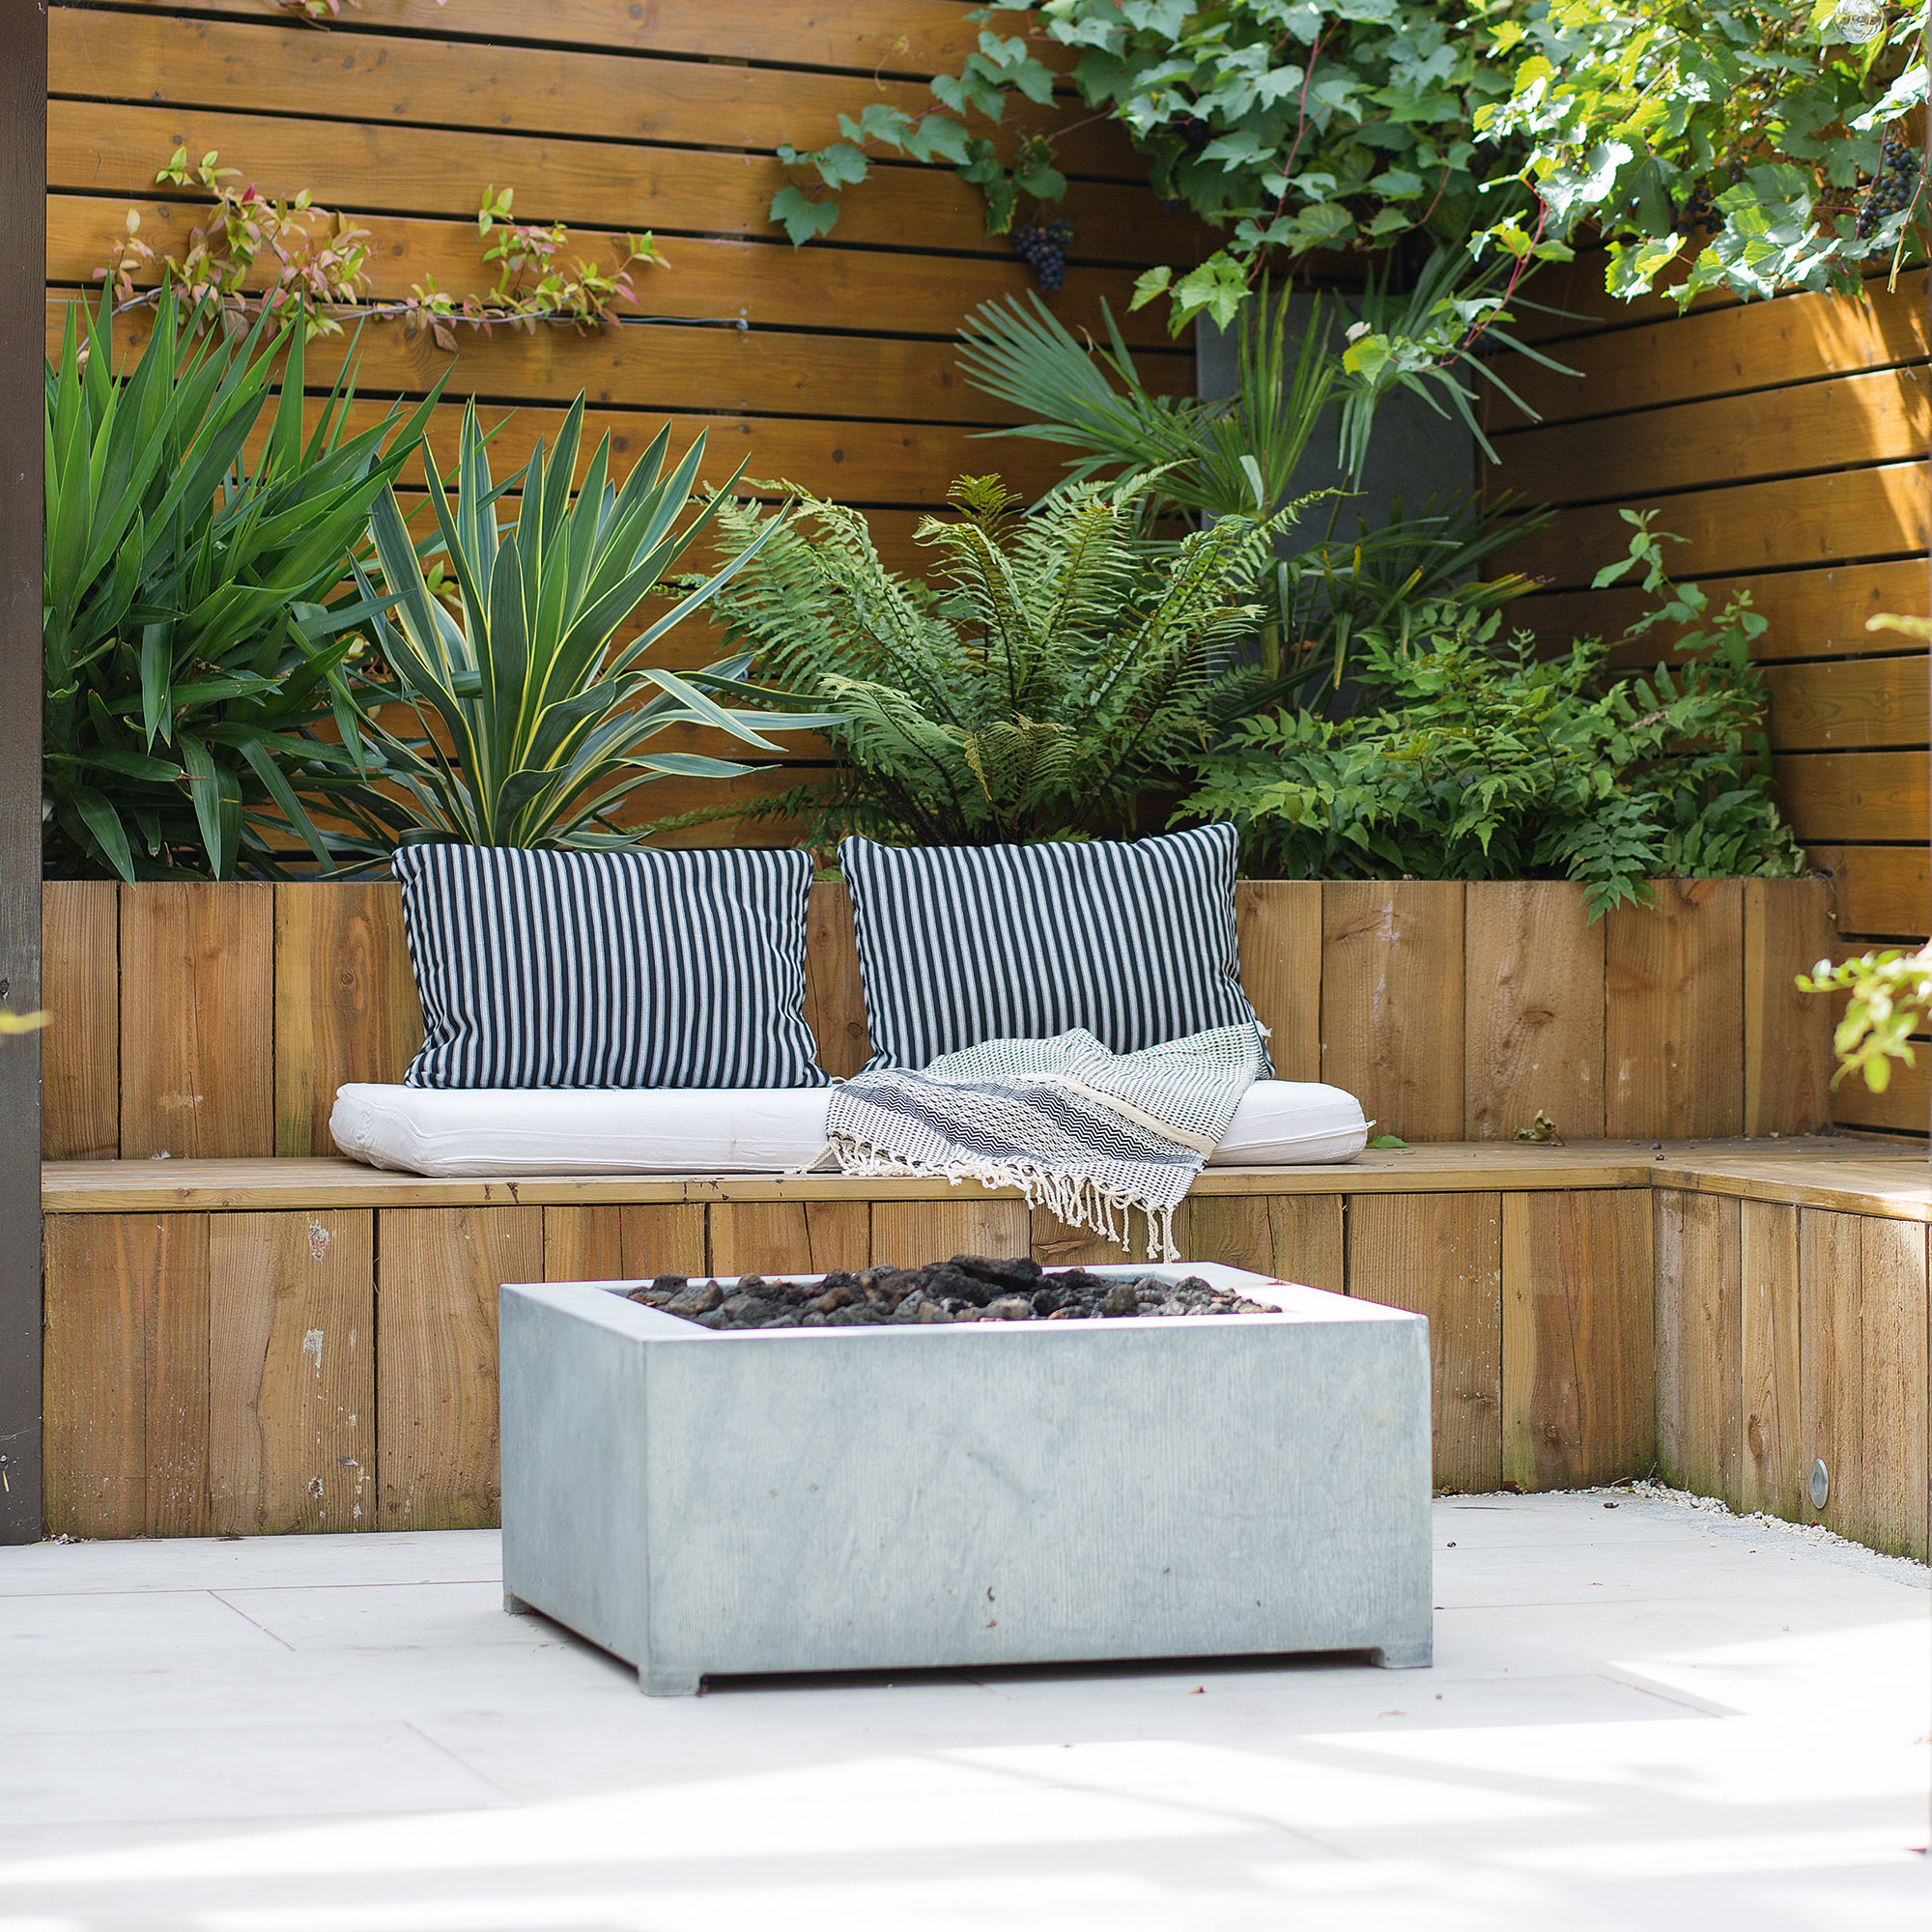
point(1651, 1715)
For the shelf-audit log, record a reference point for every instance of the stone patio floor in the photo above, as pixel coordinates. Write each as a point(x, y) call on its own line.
point(1649, 1716)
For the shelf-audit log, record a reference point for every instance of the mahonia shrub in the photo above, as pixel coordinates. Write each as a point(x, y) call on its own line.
point(1474, 758)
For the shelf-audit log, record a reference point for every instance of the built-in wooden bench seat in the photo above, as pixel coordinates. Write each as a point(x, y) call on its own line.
point(1854, 1175)
point(307, 1344)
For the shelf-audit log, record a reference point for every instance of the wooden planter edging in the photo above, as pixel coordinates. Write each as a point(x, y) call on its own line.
point(249, 1347)
point(217, 1021)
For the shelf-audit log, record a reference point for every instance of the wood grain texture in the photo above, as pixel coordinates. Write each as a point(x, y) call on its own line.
point(1295, 1237)
point(197, 1018)
point(127, 1383)
point(1770, 1464)
point(910, 1234)
point(1673, 1044)
point(1278, 930)
point(1788, 1061)
point(1533, 1028)
point(1861, 1175)
point(1892, 1417)
point(81, 1046)
point(1440, 1255)
point(345, 1006)
point(1834, 796)
point(1056, 1244)
point(1870, 416)
point(1849, 516)
point(264, 67)
point(1881, 892)
point(791, 1237)
point(1699, 1342)
point(893, 36)
point(835, 994)
point(1904, 1107)
point(1728, 350)
point(1849, 704)
point(438, 1273)
point(1818, 611)
point(379, 168)
point(1392, 1002)
point(292, 1372)
point(1830, 1363)
point(1579, 1397)
point(622, 1243)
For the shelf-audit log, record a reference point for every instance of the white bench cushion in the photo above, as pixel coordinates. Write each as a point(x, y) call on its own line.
point(464, 1133)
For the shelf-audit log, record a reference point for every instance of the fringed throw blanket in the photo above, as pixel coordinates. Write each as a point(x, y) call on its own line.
point(1089, 1133)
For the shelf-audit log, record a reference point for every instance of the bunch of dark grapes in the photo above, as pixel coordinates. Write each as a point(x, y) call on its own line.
point(1892, 186)
point(1042, 246)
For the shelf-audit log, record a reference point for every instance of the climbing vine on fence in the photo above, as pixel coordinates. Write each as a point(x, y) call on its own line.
point(1760, 143)
point(294, 253)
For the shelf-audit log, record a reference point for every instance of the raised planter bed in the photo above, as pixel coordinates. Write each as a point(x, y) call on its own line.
point(700, 1502)
point(1451, 1012)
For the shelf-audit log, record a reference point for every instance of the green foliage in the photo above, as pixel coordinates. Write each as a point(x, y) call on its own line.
point(1297, 126)
point(1482, 761)
point(1220, 459)
point(534, 723)
point(1738, 139)
point(1746, 137)
point(1059, 665)
point(314, 263)
point(194, 625)
point(1324, 604)
point(1890, 999)
point(1233, 457)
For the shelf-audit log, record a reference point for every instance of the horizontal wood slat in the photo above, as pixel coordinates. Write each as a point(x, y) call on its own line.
point(1723, 351)
point(1809, 612)
point(712, 279)
point(1798, 521)
point(1879, 416)
point(261, 66)
point(373, 168)
point(1838, 796)
point(1882, 891)
point(1861, 704)
point(869, 37)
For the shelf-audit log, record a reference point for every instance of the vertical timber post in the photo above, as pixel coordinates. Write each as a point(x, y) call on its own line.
point(23, 172)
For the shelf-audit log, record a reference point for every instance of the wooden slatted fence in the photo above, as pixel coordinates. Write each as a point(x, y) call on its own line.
point(1785, 442)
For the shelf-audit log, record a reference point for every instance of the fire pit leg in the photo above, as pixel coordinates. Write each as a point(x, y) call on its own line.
point(1404, 1656)
point(661, 1681)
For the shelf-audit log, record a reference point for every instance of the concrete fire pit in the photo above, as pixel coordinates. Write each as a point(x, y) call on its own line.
point(855, 1499)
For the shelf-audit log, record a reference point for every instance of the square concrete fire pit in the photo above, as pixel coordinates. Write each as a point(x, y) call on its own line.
point(706, 1502)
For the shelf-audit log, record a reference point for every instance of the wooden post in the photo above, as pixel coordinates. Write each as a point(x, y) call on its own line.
point(23, 150)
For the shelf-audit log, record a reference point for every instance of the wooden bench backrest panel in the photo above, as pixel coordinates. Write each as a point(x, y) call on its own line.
point(217, 1021)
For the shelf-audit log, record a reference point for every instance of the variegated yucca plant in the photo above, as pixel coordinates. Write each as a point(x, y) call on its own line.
point(536, 722)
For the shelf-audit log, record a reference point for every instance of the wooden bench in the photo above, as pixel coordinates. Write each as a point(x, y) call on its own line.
point(263, 1344)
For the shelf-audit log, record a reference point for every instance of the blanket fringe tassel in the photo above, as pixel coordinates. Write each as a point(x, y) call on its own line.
point(1079, 1200)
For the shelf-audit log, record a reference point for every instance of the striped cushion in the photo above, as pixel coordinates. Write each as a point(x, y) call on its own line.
point(958, 945)
point(608, 969)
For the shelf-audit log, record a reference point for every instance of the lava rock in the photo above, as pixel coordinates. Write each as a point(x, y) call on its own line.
point(967, 1287)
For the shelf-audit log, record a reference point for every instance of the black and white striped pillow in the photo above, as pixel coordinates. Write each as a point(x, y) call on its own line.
point(957, 945)
point(608, 969)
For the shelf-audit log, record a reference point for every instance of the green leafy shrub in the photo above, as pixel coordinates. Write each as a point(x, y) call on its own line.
point(195, 621)
point(1474, 758)
point(1059, 665)
point(534, 721)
